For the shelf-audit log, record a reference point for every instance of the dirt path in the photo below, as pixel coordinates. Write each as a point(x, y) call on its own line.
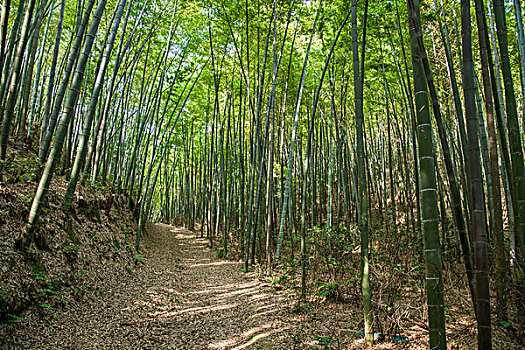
point(183, 297)
point(194, 301)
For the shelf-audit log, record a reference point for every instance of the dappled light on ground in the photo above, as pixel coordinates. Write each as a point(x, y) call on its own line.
point(218, 306)
point(247, 338)
point(211, 303)
point(183, 298)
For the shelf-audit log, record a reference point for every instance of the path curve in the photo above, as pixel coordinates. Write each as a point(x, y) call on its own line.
point(195, 301)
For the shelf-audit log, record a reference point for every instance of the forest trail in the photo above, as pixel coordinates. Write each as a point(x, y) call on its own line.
point(183, 297)
point(192, 300)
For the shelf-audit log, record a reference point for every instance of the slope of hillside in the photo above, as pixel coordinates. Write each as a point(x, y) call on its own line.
point(73, 256)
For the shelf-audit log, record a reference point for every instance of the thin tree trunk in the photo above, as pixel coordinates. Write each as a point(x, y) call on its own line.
point(518, 166)
point(429, 210)
point(497, 225)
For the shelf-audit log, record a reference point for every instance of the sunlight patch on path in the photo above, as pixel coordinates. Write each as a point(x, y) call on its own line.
point(216, 263)
point(260, 337)
point(225, 288)
point(239, 338)
point(248, 337)
point(193, 311)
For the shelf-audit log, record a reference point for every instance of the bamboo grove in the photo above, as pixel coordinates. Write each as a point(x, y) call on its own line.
point(256, 123)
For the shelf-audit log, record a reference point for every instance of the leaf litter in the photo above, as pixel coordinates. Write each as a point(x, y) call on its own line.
point(180, 296)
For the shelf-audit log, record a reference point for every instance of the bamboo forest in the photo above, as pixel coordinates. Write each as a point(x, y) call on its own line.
point(262, 174)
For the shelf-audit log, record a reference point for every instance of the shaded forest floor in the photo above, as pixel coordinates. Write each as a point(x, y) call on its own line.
point(183, 297)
